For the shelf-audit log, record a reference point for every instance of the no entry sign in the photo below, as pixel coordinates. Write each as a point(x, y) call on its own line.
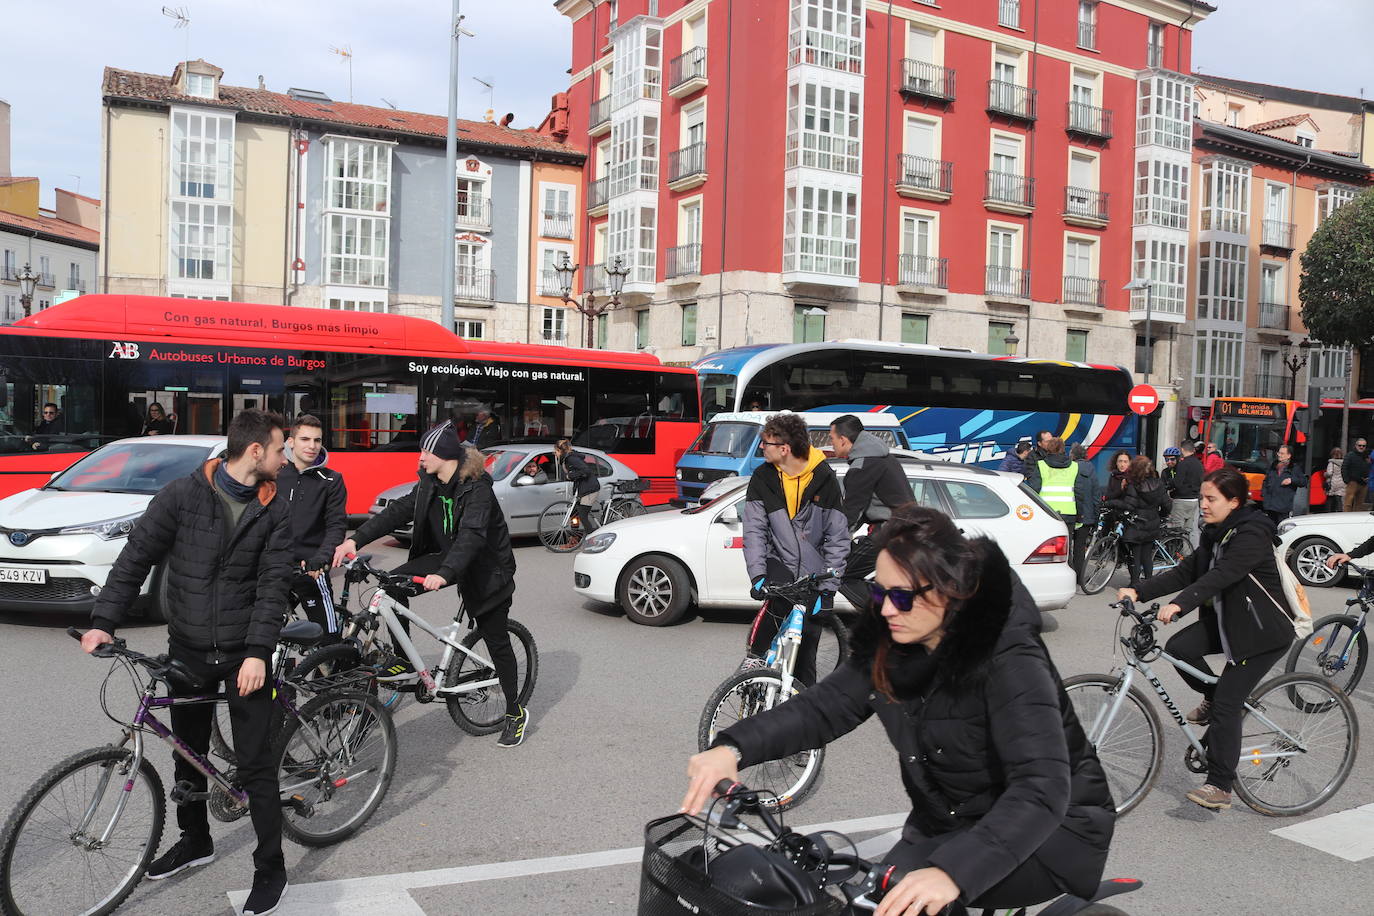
point(1143, 399)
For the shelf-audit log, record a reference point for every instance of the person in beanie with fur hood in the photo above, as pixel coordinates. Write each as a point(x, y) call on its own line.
point(1009, 803)
point(460, 537)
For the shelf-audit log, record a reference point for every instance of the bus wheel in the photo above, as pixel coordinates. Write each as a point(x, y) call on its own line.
point(654, 590)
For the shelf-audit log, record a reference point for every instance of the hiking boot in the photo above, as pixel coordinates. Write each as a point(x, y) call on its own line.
point(265, 897)
point(1202, 715)
point(184, 854)
point(1209, 796)
point(514, 732)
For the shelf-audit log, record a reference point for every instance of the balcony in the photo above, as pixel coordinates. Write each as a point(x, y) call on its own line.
point(1009, 193)
point(47, 281)
point(1009, 13)
point(687, 167)
point(1007, 284)
point(550, 284)
point(1271, 386)
point(926, 80)
point(1011, 100)
point(473, 211)
point(928, 179)
point(472, 284)
point(1085, 207)
point(919, 273)
point(1274, 316)
point(556, 224)
point(1089, 120)
point(9, 274)
point(77, 284)
point(683, 261)
point(1087, 35)
point(1277, 234)
point(599, 119)
point(598, 196)
point(594, 277)
point(1220, 220)
point(1084, 291)
point(687, 73)
point(554, 338)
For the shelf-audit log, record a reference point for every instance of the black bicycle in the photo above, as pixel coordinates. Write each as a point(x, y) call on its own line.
point(1338, 647)
point(1107, 550)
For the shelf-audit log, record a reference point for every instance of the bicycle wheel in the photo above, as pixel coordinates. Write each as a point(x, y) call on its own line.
point(747, 693)
point(1099, 562)
point(1170, 549)
point(555, 528)
point(833, 647)
point(1335, 650)
point(335, 762)
point(1294, 755)
point(623, 508)
point(483, 711)
point(1130, 743)
point(50, 862)
point(327, 661)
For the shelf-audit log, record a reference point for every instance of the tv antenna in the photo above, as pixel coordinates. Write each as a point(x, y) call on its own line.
point(181, 19)
point(389, 104)
point(345, 52)
point(491, 91)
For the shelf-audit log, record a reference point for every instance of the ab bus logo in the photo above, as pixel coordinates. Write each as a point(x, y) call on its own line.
point(124, 351)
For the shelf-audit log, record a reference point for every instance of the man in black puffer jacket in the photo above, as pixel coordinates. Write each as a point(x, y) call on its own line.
point(874, 484)
point(316, 495)
point(222, 539)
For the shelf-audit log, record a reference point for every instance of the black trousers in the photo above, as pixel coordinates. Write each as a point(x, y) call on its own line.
point(314, 597)
point(1227, 695)
point(1140, 560)
point(252, 723)
point(863, 557)
point(491, 624)
point(1028, 884)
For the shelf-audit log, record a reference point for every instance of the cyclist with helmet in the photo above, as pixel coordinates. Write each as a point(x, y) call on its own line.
point(1183, 478)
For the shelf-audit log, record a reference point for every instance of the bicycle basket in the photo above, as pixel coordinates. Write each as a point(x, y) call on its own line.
point(674, 878)
point(638, 485)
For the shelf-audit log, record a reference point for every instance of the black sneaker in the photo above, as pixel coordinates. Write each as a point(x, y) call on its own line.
point(184, 854)
point(265, 897)
point(514, 732)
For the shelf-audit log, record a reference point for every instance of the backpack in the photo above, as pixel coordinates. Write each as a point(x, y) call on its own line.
point(1295, 606)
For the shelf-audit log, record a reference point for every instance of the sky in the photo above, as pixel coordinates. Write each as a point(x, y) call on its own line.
point(400, 54)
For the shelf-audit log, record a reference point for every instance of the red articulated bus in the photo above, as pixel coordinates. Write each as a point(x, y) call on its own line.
point(376, 381)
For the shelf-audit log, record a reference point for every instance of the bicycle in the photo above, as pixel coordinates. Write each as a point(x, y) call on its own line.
point(560, 530)
point(1292, 725)
point(752, 690)
point(680, 852)
point(465, 679)
point(1106, 551)
point(82, 836)
point(1338, 647)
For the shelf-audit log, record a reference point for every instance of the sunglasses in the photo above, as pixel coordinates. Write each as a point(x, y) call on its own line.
point(901, 598)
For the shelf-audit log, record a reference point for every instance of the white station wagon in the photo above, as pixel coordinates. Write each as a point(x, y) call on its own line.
point(655, 566)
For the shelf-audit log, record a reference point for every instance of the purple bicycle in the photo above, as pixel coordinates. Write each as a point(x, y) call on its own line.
point(81, 838)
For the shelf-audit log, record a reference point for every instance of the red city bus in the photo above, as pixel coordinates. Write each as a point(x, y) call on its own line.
point(377, 382)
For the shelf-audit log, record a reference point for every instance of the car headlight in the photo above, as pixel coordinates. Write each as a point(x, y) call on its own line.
point(598, 542)
point(679, 473)
point(108, 530)
point(1286, 527)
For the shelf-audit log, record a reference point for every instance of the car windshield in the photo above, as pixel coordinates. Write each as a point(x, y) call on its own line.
point(732, 439)
point(500, 462)
point(130, 468)
point(724, 493)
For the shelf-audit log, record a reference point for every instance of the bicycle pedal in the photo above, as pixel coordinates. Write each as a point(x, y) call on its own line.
point(183, 793)
point(299, 805)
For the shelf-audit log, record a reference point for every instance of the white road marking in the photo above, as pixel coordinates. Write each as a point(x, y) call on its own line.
point(389, 893)
point(1346, 834)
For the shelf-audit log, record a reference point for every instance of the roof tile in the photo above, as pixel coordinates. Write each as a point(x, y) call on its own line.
point(51, 226)
point(1281, 122)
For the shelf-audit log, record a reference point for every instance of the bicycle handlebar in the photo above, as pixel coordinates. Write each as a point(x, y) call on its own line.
point(1127, 608)
point(810, 579)
point(358, 568)
point(161, 667)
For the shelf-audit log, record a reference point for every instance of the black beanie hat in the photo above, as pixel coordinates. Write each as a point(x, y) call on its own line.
point(442, 442)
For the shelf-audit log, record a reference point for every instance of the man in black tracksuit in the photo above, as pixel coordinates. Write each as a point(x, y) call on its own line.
point(460, 537)
point(316, 496)
point(874, 485)
point(221, 538)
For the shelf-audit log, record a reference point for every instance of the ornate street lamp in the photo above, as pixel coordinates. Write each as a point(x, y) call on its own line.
point(27, 281)
point(589, 305)
point(1010, 343)
point(1294, 363)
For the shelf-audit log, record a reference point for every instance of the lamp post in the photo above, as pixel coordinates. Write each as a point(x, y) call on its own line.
point(27, 281)
point(1010, 343)
point(1149, 286)
point(590, 307)
point(1294, 363)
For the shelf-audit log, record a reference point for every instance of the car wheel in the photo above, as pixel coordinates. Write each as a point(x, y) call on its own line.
point(156, 609)
point(654, 591)
point(1308, 562)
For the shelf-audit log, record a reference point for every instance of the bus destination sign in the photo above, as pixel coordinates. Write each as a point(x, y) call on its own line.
point(1250, 410)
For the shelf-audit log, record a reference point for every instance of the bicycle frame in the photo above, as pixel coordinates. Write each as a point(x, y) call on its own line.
point(391, 611)
point(782, 652)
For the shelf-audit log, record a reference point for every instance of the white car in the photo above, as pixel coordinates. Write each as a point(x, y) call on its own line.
point(655, 565)
point(59, 541)
point(1307, 540)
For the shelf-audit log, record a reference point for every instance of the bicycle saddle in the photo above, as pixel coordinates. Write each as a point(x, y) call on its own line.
point(303, 633)
point(179, 678)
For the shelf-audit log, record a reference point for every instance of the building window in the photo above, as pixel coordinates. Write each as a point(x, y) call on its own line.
point(998, 332)
point(553, 327)
point(1166, 264)
point(821, 231)
point(200, 85)
point(1273, 289)
point(1161, 194)
point(1221, 281)
point(359, 176)
point(11, 265)
point(1331, 198)
point(550, 284)
point(1004, 261)
point(1165, 112)
point(1225, 199)
point(354, 304)
point(603, 331)
point(689, 324)
point(1154, 45)
point(1009, 13)
point(823, 128)
point(634, 154)
point(919, 260)
point(641, 328)
point(915, 328)
point(1076, 346)
point(1087, 24)
point(632, 237)
point(558, 217)
point(1080, 272)
point(357, 250)
point(202, 156)
point(471, 206)
point(1217, 363)
point(827, 33)
point(1328, 367)
point(470, 329)
point(637, 69)
point(1306, 139)
point(200, 241)
point(808, 324)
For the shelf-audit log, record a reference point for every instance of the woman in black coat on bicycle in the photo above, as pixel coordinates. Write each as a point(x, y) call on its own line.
point(1145, 496)
point(1233, 579)
point(1009, 805)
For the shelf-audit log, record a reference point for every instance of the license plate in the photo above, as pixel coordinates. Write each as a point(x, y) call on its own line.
point(18, 574)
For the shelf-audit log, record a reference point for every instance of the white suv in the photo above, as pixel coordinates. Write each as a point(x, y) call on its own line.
point(60, 540)
point(655, 565)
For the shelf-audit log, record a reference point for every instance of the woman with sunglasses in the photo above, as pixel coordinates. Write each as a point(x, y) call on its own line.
point(1009, 805)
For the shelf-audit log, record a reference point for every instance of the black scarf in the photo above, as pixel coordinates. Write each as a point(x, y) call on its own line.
point(231, 488)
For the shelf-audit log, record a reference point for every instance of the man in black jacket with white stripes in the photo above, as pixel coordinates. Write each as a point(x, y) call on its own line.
point(316, 495)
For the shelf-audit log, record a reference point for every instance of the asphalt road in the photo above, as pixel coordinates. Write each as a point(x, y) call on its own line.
point(553, 826)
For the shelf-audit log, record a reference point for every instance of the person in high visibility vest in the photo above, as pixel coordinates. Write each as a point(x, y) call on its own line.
point(1065, 486)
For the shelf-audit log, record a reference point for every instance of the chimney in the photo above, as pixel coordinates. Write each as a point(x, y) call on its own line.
point(4, 139)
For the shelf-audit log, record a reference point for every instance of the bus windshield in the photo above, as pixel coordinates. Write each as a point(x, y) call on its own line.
point(1249, 444)
point(731, 439)
point(717, 394)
